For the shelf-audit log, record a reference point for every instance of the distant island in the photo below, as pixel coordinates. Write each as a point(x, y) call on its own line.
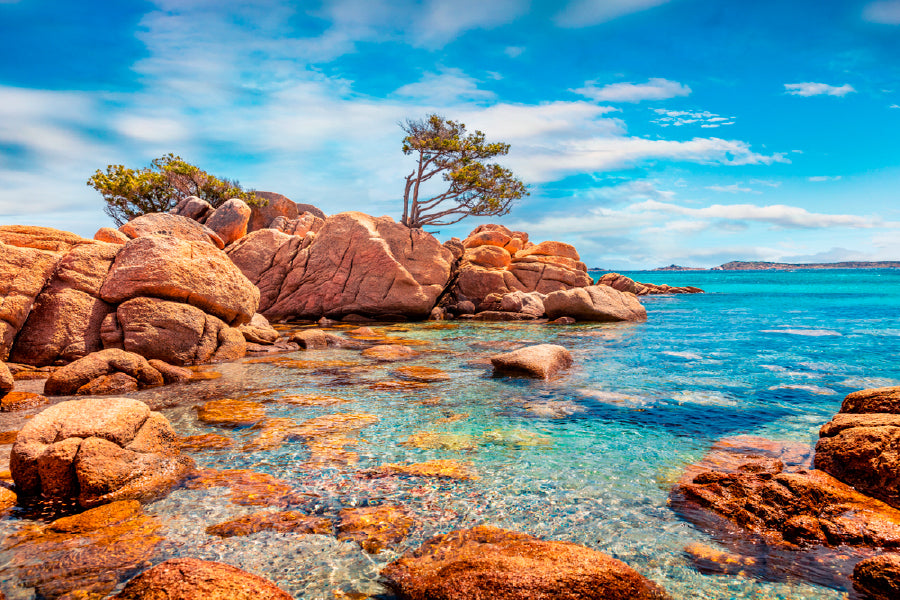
point(739, 265)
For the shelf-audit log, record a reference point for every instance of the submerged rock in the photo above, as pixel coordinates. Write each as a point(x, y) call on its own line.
point(435, 469)
point(97, 451)
point(375, 527)
point(421, 374)
point(85, 555)
point(15, 401)
point(231, 413)
point(390, 352)
point(248, 488)
point(194, 579)
point(290, 521)
point(487, 562)
point(542, 361)
point(594, 303)
point(878, 577)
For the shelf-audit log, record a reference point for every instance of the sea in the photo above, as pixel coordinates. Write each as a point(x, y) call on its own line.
point(589, 457)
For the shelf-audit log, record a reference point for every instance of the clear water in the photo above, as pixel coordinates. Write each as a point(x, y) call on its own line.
point(587, 458)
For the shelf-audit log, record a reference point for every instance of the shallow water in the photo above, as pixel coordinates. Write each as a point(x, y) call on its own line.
point(588, 458)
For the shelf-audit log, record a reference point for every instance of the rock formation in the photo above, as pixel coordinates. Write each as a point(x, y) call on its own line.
point(486, 562)
point(356, 264)
point(878, 577)
point(594, 303)
point(542, 361)
point(499, 261)
point(626, 284)
point(171, 225)
point(97, 451)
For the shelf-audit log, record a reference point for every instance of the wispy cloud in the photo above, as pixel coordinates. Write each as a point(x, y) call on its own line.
point(654, 89)
point(584, 13)
point(514, 51)
point(734, 188)
point(818, 89)
point(821, 178)
point(449, 87)
point(885, 12)
point(678, 118)
point(779, 215)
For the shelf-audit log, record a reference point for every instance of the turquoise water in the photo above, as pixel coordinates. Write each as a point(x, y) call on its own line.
point(588, 458)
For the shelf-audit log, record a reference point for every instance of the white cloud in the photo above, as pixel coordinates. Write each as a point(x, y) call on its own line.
point(886, 12)
point(895, 106)
point(514, 51)
point(655, 89)
point(678, 118)
point(584, 13)
point(820, 178)
point(779, 215)
point(443, 21)
point(734, 188)
point(447, 88)
point(818, 89)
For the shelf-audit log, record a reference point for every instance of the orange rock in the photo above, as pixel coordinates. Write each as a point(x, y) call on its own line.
point(231, 413)
point(86, 555)
point(311, 400)
point(389, 352)
point(176, 226)
point(14, 401)
point(336, 424)
point(248, 488)
point(8, 437)
point(284, 522)
point(204, 375)
point(439, 469)
point(551, 249)
point(105, 385)
point(23, 274)
point(206, 441)
point(486, 562)
point(542, 361)
point(230, 220)
point(271, 433)
point(423, 374)
point(194, 579)
point(490, 257)
point(111, 236)
point(375, 527)
point(66, 380)
point(494, 238)
point(8, 499)
point(397, 386)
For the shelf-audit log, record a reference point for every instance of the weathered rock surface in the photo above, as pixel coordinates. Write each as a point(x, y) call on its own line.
point(98, 451)
point(15, 401)
point(390, 352)
point(626, 284)
point(767, 489)
point(500, 261)
point(183, 271)
point(356, 264)
point(486, 562)
point(594, 303)
point(878, 577)
point(542, 361)
point(194, 579)
point(111, 236)
point(520, 302)
point(230, 220)
point(170, 373)
point(40, 238)
point(23, 273)
point(194, 208)
point(176, 333)
point(277, 205)
point(861, 444)
point(289, 521)
point(310, 339)
point(374, 527)
point(85, 555)
point(228, 412)
point(66, 380)
point(107, 385)
point(259, 331)
point(7, 383)
point(64, 323)
point(876, 400)
point(166, 224)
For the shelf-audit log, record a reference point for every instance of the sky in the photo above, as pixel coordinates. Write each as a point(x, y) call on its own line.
point(650, 132)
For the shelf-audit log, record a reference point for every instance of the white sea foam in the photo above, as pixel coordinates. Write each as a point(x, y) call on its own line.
point(804, 332)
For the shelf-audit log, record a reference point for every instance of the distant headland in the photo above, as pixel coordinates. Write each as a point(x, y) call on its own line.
point(740, 265)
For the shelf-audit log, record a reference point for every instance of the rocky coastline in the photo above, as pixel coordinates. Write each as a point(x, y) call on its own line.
point(85, 322)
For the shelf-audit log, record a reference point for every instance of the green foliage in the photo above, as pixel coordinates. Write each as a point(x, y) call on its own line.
point(473, 187)
point(130, 193)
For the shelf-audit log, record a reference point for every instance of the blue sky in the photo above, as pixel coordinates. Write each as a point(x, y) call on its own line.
point(650, 131)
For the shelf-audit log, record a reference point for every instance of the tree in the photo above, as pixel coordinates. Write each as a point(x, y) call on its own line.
point(130, 193)
point(474, 188)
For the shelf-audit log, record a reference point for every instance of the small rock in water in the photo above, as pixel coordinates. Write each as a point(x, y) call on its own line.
point(374, 527)
point(390, 352)
point(283, 522)
point(542, 361)
point(231, 413)
point(440, 469)
point(878, 577)
point(14, 401)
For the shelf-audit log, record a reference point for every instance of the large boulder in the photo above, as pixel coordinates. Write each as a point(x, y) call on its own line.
point(356, 264)
point(40, 238)
point(176, 333)
point(520, 302)
point(23, 274)
point(184, 271)
point(195, 579)
point(861, 444)
point(594, 303)
point(97, 451)
point(67, 380)
point(230, 220)
point(486, 562)
point(64, 324)
point(542, 361)
point(878, 577)
point(194, 208)
point(277, 205)
point(499, 261)
point(175, 226)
